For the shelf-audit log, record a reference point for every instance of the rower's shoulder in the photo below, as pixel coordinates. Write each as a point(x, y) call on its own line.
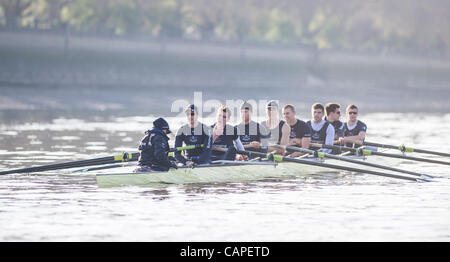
point(250, 124)
point(337, 124)
point(226, 125)
point(285, 125)
point(330, 127)
point(239, 126)
point(301, 122)
point(264, 123)
point(184, 129)
point(205, 127)
point(362, 125)
point(230, 128)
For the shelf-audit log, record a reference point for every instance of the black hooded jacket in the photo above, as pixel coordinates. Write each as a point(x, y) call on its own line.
point(153, 149)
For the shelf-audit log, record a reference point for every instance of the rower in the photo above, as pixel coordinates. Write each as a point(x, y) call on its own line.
point(300, 132)
point(333, 112)
point(194, 133)
point(252, 135)
point(278, 129)
point(322, 132)
point(154, 149)
point(354, 129)
point(225, 136)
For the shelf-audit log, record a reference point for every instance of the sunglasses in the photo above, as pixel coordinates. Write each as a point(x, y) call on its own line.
point(353, 113)
point(338, 112)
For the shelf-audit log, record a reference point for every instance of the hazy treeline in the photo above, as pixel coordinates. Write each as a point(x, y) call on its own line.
point(412, 26)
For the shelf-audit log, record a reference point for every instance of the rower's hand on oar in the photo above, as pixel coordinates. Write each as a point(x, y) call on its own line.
point(254, 144)
point(295, 142)
point(295, 154)
point(190, 163)
point(173, 164)
point(241, 157)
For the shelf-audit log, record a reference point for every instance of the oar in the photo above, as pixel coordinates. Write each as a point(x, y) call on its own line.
point(366, 152)
point(181, 148)
point(280, 158)
point(97, 168)
point(89, 162)
point(403, 148)
point(347, 159)
point(80, 163)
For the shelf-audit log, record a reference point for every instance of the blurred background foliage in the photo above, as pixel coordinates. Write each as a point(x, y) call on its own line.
point(381, 26)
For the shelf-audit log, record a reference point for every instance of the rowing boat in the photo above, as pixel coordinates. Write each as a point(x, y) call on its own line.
point(218, 171)
point(268, 165)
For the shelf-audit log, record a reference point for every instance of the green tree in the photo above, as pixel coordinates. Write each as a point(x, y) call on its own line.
point(14, 11)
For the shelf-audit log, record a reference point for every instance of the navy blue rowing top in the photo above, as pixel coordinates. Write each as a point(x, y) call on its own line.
point(201, 134)
point(300, 130)
point(253, 132)
point(319, 136)
point(360, 126)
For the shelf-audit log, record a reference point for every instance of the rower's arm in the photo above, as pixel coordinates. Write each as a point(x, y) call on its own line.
point(285, 131)
point(329, 139)
point(253, 144)
point(178, 143)
point(359, 139)
point(160, 151)
point(238, 144)
point(305, 142)
point(205, 156)
point(295, 142)
point(284, 141)
point(306, 139)
point(264, 134)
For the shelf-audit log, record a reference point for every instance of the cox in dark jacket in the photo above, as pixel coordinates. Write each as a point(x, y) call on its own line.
point(154, 148)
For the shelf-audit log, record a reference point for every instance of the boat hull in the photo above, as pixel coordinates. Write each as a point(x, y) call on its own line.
point(226, 172)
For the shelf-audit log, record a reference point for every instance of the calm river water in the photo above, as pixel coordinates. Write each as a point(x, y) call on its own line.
point(71, 207)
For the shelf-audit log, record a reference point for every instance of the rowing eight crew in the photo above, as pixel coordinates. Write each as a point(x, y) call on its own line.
point(247, 135)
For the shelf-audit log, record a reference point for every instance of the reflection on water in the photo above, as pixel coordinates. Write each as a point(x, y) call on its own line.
point(335, 206)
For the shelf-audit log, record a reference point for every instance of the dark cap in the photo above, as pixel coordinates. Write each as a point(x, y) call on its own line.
point(272, 103)
point(191, 109)
point(246, 105)
point(160, 123)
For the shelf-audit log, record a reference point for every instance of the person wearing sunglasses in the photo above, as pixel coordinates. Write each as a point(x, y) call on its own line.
point(194, 133)
point(333, 112)
point(225, 136)
point(354, 129)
